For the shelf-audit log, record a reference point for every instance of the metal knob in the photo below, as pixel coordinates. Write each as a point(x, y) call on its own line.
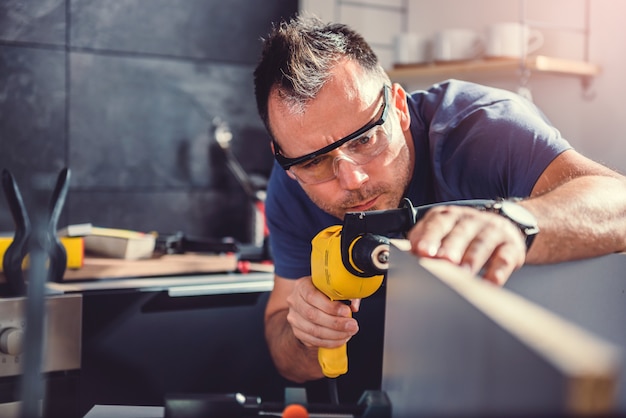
point(11, 341)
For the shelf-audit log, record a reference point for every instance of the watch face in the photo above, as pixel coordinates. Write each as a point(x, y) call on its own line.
point(518, 214)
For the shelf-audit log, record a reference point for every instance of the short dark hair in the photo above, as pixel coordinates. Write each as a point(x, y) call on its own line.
point(298, 56)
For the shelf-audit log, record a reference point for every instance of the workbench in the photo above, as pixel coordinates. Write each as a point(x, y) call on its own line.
point(147, 337)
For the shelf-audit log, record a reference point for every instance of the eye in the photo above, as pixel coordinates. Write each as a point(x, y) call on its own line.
point(314, 163)
point(363, 142)
point(365, 139)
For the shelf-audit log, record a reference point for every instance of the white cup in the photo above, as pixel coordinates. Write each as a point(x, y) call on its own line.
point(457, 45)
point(512, 40)
point(411, 48)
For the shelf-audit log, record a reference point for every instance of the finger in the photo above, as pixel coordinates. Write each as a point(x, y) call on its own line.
point(507, 256)
point(428, 233)
point(311, 296)
point(503, 262)
point(483, 245)
point(462, 237)
point(316, 320)
point(311, 318)
point(314, 334)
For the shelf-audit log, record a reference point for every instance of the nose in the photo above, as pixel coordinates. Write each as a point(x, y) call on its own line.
point(351, 175)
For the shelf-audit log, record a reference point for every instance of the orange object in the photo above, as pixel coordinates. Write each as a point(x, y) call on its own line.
point(295, 411)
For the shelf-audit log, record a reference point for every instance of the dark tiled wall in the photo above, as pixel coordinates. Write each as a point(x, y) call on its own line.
point(124, 93)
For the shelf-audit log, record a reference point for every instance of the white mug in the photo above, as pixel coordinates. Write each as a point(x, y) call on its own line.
point(512, 40)
point(411, 48)
point(457, 45)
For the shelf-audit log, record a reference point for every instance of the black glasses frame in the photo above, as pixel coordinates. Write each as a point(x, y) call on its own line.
point(286, 163)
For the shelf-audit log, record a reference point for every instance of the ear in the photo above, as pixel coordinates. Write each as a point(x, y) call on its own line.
point(399, 101)
point(290, 174)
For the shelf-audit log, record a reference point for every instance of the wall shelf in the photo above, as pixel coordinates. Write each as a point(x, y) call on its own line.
point(458, 69)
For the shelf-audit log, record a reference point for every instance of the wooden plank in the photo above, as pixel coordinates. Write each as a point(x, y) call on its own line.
point(562, 66)
point(457, 345)
point(170, 264)
point(97, 268)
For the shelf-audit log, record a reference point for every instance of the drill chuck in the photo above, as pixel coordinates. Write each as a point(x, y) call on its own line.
point(380, 257)
point(369, 254)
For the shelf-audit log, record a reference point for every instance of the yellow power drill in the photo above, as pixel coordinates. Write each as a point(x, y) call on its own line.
point(350, 261)
point(335, 281)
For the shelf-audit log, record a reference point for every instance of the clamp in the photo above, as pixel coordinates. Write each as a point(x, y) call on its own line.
point(26, 237)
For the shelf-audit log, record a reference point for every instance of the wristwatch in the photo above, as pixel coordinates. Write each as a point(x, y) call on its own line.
point(519, 215)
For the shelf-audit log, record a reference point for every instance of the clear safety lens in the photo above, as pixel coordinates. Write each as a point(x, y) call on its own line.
point(360, 150)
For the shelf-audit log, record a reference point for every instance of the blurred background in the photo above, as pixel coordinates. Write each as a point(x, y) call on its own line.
point(125, 93)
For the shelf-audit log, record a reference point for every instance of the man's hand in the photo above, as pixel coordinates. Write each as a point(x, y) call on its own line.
point(483, 242)
point(316, 320)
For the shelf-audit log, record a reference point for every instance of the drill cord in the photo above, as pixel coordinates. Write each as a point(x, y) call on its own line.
point(332, 391)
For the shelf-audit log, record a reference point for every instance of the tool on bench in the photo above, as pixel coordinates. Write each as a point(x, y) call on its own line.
point(349, 261)
point(371, 404)
point(180, 243)
point(23, 239)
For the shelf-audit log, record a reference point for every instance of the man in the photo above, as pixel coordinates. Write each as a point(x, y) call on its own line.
point(348, 139)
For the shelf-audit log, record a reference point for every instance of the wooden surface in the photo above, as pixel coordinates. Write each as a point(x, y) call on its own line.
point(105, 268)
point(455, 344)
point(97, 268)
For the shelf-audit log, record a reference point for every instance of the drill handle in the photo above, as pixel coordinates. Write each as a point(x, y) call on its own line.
point(334, 361)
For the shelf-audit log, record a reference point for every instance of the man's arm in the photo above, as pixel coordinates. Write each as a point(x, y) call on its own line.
point(580, 206)
point(298, 320)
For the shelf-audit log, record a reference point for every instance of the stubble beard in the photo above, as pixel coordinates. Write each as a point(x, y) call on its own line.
point(389, 194)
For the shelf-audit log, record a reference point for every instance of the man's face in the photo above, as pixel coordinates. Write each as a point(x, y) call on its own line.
point(358, 182)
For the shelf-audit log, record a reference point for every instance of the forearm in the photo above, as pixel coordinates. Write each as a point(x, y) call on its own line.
point(294, 360)
point(585, 217)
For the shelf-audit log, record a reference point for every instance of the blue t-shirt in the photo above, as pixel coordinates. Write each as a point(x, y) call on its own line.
point(471, 142)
